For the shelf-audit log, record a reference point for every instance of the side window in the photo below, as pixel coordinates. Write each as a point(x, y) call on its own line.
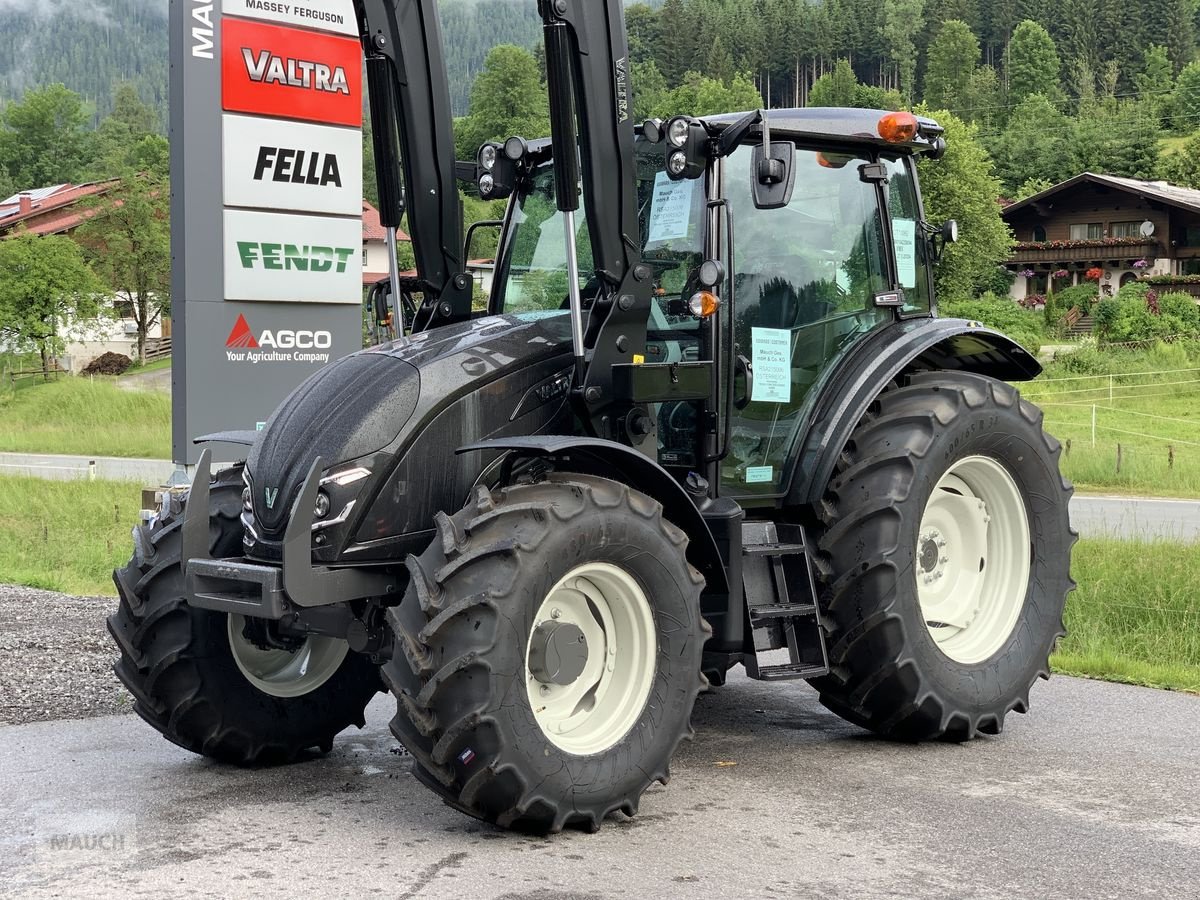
point(805, 284)
point(911, 244)
point(535, 278)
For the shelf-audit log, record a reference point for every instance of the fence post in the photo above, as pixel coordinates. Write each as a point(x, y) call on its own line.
point(1110, 390)
point(1093, 426)
point(1118, 459)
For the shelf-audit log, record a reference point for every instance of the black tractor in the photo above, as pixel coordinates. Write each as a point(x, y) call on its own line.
point(709, 419)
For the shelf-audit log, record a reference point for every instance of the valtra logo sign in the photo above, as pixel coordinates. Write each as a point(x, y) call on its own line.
point(280, 345)
point(276, 71)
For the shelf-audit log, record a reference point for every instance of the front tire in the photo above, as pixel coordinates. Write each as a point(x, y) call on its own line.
point(195, 675)
point(944, 559)
point(548, 653)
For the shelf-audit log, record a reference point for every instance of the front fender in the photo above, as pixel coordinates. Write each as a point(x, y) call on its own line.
point(608, 459)
point(924, 344)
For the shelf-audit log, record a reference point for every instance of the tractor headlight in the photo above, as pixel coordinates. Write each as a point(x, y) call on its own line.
point(487, 157)
point(322, 505)
point(676, 162)
point(677, 131)
point(486, 184)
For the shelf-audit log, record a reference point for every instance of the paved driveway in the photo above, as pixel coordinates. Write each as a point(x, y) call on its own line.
point(1095, 794)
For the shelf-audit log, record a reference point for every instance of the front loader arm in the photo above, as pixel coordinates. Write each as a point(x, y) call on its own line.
point(586, 48)
point(413, 125)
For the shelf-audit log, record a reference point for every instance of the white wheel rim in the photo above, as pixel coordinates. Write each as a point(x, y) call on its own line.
point(595, 710)
point(973, 559)
point(286, 673)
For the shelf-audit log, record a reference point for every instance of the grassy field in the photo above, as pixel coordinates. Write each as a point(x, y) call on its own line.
point(1147, 403)
point(84, 416)
point(1135, 617)
point(65, 535)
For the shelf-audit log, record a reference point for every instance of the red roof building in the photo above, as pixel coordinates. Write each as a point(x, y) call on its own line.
point(49, 210)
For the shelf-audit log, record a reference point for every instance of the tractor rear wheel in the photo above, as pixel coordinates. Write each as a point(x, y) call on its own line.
point(210, 682)
point(547, 653)
point(944, 560)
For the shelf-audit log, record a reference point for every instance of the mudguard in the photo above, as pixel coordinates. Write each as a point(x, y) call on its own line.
point(925, 344)
point(608, 459)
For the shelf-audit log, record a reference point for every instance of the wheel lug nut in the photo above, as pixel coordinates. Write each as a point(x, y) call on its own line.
point(944, 560)
point(545, 688)
point(556, 613)
point(941, 542)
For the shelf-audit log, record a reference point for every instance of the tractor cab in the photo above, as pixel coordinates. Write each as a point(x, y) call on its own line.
point(774, 294)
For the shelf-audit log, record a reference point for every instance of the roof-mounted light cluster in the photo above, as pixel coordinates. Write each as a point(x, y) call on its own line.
point(499, 165)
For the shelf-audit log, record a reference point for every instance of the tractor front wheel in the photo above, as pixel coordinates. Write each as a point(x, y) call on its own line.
point(944, 559)
point(211, 682)
point(548, 653)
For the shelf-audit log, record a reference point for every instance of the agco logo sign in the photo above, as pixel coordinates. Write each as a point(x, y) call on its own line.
point(277, 71)
point(278, 345)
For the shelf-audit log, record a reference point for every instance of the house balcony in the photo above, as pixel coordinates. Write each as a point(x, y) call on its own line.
point(1052, 253)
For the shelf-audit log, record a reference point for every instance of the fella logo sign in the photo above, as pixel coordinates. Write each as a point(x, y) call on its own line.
point(275, 71)
point(280, 345)
point(276, 256)
point(272, 164)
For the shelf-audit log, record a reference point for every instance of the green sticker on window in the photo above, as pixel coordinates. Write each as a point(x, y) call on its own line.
point(760, 474)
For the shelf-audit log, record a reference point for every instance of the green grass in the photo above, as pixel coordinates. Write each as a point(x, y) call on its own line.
point(1149, 406)
point(84, 416)
point(1136, 615)
point(154, 366)
point(65, 535)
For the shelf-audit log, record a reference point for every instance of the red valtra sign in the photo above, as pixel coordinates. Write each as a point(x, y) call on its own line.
point(275, 71)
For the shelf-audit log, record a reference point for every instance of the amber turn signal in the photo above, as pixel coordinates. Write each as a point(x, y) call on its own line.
point(703, 303)
point(898, 127)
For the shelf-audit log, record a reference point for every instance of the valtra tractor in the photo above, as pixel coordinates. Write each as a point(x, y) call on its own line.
point(710, 418)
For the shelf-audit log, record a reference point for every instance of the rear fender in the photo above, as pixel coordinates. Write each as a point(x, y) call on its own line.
point(925, 344)
point(608, 459)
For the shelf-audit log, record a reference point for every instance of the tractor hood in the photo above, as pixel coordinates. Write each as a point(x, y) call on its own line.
point(364, 408)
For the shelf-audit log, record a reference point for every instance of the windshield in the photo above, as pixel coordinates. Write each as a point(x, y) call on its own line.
point(671, 222)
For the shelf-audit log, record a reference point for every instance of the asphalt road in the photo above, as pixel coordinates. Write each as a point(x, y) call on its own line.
point(1095, 794)
point(1136, 517)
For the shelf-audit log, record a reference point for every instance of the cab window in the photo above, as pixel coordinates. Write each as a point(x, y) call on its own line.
point(805, 285)
point(909, 239)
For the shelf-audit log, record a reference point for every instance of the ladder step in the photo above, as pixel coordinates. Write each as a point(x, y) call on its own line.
point(782, 611)
point(771, 549)
point(790, 670)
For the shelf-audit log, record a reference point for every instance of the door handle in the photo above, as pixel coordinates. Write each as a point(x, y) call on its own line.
point(743, 366)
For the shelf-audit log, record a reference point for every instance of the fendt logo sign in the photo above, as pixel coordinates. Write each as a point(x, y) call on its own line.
point(276, 71)
point(292, 258)
point(273, 164)
point(280, 345)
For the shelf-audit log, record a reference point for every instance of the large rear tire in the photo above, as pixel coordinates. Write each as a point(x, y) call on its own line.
point(548, 653)
point(198, 678)
point(944, 560)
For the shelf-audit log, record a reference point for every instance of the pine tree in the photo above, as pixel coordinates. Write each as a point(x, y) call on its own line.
point(950, 65)
point(836, 88)
point(1031, 64)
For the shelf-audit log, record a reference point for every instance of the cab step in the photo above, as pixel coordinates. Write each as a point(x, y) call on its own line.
point(782, 607)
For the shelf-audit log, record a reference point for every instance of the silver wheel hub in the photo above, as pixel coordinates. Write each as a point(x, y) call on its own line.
point(590, 661)
point(285, 673)
point(973, 559)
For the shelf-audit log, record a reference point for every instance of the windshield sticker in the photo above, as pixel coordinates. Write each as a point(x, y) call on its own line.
point(904, 234)
point(670, 210)
point(772, 361)
point(759, 474)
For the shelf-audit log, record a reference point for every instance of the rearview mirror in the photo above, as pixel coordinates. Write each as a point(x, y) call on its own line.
point(772, 169)
point(772, 174)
